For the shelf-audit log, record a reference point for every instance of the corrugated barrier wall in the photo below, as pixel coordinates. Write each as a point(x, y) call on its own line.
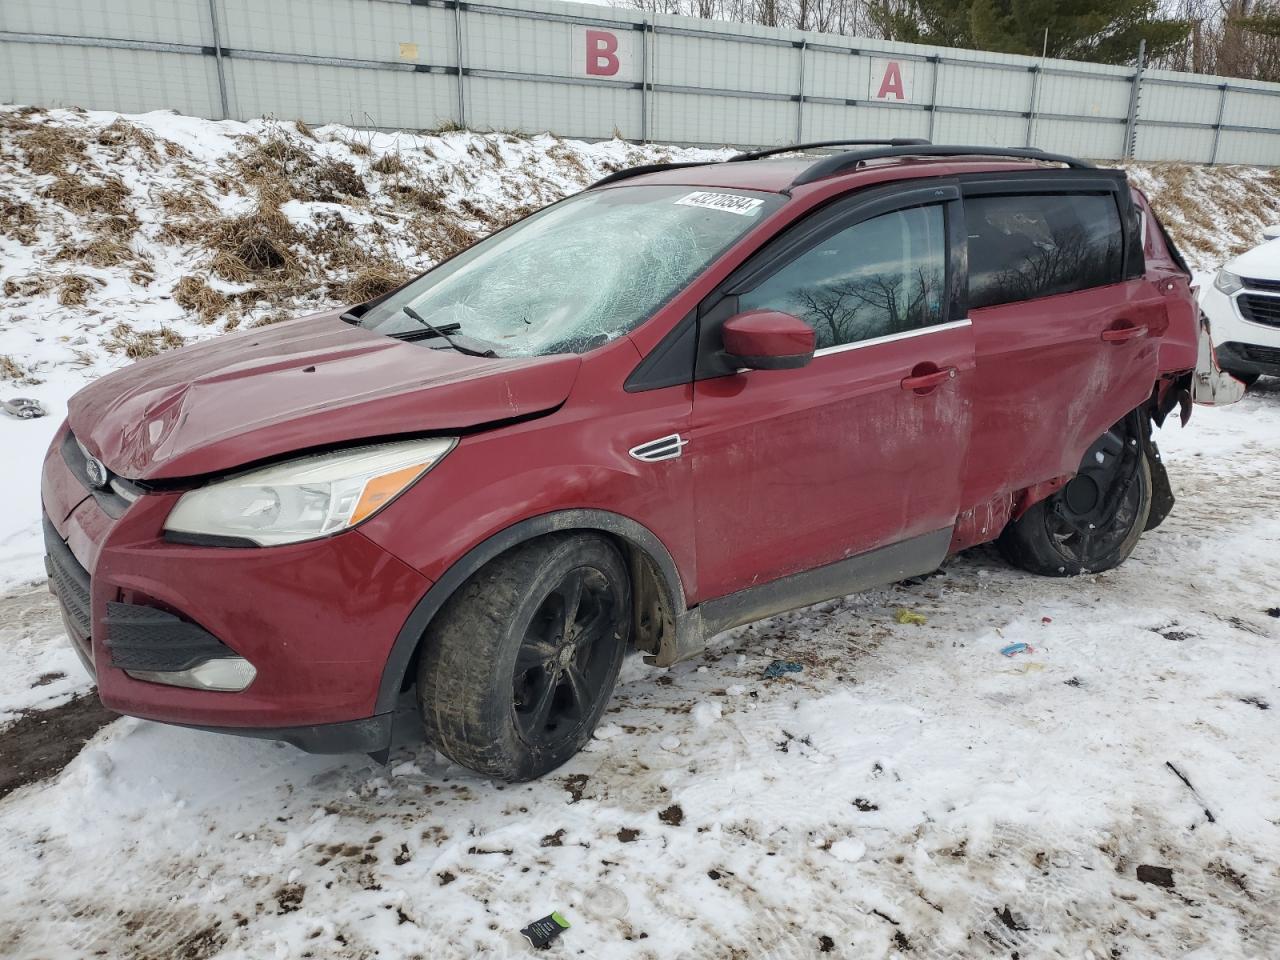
point(589, 71)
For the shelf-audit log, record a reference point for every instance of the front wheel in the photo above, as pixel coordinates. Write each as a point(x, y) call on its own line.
point(520, 663)
point(1094, 522)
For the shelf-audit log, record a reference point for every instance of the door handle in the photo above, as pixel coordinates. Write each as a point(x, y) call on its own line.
point(1124, 334)
point(925, 382)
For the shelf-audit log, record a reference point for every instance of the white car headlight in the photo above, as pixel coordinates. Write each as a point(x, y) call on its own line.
point(306, 498)
point(1227, 282)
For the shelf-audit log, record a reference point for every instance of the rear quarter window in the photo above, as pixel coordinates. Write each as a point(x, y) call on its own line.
point(1022, 247)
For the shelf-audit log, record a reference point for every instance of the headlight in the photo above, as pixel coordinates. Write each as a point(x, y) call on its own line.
point(1227, 282)
point(306, 498)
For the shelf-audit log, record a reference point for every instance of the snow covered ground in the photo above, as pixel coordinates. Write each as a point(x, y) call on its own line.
point(910, 792)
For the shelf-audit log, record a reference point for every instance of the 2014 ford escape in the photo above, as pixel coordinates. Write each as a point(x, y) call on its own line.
point(689, 397)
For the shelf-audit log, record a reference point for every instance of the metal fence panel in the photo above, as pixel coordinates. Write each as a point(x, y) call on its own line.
point(591, 71)
point(169, 21)
point(319, 94)
point(131, 81)
point(525, 105)
point(1175, 143)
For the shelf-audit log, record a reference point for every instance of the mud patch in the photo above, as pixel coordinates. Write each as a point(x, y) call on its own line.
point(41, 742)
point(290, 896)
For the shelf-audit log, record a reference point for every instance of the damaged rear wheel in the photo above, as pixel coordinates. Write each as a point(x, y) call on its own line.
point(1094, 522)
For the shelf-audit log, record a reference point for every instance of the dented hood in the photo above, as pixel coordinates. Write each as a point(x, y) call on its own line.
point(306, 383)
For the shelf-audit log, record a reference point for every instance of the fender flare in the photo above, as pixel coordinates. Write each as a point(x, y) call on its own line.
point(406, 642)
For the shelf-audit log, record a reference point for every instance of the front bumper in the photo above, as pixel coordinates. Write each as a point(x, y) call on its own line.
point(1249, 358)
point(317, 620)
point(1242, 344)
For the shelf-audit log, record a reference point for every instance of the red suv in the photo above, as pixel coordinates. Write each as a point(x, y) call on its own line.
point(689, 397)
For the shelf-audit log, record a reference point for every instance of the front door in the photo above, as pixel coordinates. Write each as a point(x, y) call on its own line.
point(862, 448)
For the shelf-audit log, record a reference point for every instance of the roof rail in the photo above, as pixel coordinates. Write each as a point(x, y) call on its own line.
point(644, 168)
point(840, 162)
point(796, 147)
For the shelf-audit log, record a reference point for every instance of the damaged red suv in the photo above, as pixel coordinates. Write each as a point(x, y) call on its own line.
point(689, 397)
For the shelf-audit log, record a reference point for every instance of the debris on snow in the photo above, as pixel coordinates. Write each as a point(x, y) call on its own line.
point(780, 668)
point(1160, 876)
point(542, 932)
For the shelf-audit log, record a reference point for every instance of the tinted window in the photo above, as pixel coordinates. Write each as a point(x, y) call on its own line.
point(1023, 247)
point(878, 277)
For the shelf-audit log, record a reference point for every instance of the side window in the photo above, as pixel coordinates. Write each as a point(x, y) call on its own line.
point(881, 276)
point(1029, 246)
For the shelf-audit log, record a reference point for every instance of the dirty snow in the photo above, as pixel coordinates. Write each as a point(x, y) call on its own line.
point(908, 793)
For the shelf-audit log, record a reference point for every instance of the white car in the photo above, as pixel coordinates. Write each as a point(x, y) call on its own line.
point(1243, 307)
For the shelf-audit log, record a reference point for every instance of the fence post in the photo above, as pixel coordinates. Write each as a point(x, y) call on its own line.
point(1217, 124)
point(933, 92)
point(644, 80)
point(1135, 91)
point(804, 45)
point(457, 40)
point(217, 56)
point(1033, 103)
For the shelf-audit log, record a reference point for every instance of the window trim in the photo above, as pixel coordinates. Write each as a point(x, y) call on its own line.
point(1111, 183)
point(891, 337)
point(799, 237)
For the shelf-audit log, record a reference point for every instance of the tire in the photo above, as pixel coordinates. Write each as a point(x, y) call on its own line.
point(1112, 491)
point(504, 688)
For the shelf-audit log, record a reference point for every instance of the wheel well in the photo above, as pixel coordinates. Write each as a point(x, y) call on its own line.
point(656, 591)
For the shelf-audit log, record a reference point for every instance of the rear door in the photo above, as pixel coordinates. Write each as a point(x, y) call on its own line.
point(1066, 325)
point(862, 448)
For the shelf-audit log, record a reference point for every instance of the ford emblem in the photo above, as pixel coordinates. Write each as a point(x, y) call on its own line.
point(97, 473)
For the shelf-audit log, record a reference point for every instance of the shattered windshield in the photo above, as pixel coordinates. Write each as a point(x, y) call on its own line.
point(579, 273)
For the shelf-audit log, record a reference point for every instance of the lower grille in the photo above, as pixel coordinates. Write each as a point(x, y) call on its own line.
point(1270, 355)
point(1260, 309)
point(68, 580)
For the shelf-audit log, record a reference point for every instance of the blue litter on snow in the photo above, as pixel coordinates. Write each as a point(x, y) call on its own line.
point(779, 667)
point(1015, 648)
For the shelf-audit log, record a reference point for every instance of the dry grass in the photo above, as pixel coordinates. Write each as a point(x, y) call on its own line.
point(420, 196)
point(49, 149)
point(389, 163)
point(441, 237)
point(247, 247)
point(283, 168)
point(194, 295)
point(371, 281)
point(120, 133)
point(110, 245)
point(26, 286)
point(11, 369)
point(74, 289)
point(138, 344)
point(18, 221)
point(303, 129)
point(187, 215)
point(84, 196)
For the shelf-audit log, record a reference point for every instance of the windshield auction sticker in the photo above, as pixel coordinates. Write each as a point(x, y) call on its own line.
point(728, 202)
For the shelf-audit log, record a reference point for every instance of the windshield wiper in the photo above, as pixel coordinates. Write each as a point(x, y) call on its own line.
point(443, 333)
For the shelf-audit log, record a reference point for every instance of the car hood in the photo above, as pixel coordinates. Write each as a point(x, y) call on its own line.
point(316, 381)
point(1260, 263)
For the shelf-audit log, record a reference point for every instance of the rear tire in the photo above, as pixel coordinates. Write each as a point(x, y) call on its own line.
point(1094, 522)
point(520, 663)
